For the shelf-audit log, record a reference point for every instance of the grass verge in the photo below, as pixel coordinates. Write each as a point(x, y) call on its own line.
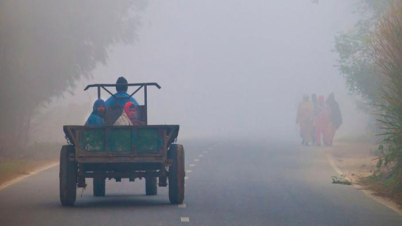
point(11, 169)
point(381, 185)
point(34, 157)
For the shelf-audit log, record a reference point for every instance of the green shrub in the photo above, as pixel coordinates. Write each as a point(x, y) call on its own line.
point(388, 55)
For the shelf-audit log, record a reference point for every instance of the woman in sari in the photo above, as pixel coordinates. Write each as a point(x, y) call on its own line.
point(124, 119)
point(305, 119)
point(132, 112)
point(321, 120)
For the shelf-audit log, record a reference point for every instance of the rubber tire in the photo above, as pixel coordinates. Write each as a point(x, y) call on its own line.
point(99, 187)
point(151, 186)
point(67, 176)
point(176, 174)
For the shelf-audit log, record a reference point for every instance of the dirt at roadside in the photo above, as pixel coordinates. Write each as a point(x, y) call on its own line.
point(34, 157)
point(358, 160)
point(354, 159)
point(12, 169)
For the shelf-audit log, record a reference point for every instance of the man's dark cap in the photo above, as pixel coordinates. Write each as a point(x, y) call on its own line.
point(121, 84)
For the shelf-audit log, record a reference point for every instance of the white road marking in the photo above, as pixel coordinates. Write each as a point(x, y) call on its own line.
point(210, 148)
point(201, 156)
point(337, 170)
point(196, 160)
point(185, 178)
point(205, 152)
point(192, 165)
point(182, 205)
point(185, 219)
point(189, 171)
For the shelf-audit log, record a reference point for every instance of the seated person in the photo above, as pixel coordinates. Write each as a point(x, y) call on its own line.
point(131, 110)
point(98, 112)
point(121, 88)
point(124, 119)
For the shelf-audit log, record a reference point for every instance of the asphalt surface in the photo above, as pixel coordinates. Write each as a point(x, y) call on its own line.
point(230, 183)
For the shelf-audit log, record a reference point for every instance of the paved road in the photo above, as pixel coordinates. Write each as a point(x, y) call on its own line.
point(232, 183)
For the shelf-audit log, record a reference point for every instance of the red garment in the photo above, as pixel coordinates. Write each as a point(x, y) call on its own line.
point(322, 117)
point(134, 121)
point(127, 108)
point(321, 121)
point(320, 133)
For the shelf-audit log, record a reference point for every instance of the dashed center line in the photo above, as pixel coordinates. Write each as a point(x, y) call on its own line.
point(182, 205)
point(189, 171)
point(201, 156)
point(185, 219)
point(192, 165)
point(185, 178)
point(196, 160)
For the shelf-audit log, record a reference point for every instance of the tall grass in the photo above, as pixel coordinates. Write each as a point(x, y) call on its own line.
point(388, 52)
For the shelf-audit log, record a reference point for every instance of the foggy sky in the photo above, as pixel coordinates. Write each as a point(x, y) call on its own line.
point(233, 67)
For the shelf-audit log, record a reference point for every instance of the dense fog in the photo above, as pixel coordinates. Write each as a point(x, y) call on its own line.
point(227, 68)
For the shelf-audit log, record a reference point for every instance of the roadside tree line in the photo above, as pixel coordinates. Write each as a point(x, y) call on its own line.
point(371, 62)
point(46, 46)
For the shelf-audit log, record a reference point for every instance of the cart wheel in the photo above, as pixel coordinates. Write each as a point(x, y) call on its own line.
point(99, 186)
point(176, 174)
point(67, 176)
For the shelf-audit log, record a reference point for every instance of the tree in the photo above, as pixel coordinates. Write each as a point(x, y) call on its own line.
point(46, 46)
point(356, 54)
point(370, 60)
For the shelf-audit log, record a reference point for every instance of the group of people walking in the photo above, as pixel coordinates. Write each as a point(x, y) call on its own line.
point(129, 114)
point(318, 119)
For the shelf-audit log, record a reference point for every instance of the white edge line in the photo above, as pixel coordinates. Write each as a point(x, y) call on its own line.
point(368, 193)
point(337, 170)
point(20, 178)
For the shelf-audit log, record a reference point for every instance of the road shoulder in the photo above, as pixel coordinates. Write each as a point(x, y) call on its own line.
point(354, 161)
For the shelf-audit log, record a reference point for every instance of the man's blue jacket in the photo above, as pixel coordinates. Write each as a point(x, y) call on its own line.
point(112, 101)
